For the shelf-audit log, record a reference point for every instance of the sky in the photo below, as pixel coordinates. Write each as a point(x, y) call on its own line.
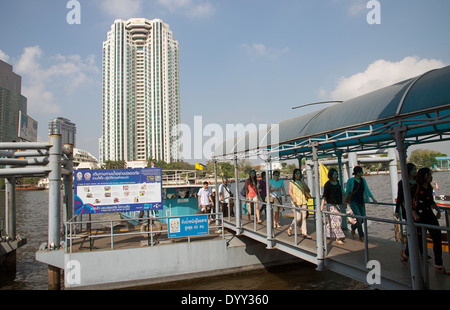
point(241, 61)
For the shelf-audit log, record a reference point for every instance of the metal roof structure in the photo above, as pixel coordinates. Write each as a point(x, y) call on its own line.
point(419, 107)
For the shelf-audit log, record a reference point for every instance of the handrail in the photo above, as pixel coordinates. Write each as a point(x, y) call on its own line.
point(365, 220)
point(69, 228)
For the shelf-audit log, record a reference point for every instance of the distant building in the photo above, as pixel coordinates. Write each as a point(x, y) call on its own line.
point(442, 163)
point(65, 128)
point(84, 160)
point(141, 92)
point(12, 103)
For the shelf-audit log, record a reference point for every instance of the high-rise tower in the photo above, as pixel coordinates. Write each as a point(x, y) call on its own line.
point(141, 92)
point(12, 103)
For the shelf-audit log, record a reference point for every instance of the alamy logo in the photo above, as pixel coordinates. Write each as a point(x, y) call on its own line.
point(74, 15)
point(73, 272)
point(374, 275)
point(194, 146)
point(374, 16)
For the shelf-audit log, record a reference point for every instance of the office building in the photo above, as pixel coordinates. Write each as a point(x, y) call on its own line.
point(141, 92)
point(12, 103)
point(65, 128)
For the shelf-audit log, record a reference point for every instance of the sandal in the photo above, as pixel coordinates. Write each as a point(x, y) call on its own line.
point(289, 231)
point(307, 236)
point(441, 269)
point(403, 257)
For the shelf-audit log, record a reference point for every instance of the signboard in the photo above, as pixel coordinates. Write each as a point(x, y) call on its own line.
point(28, 128)
point(186, 226)
point(117, 190)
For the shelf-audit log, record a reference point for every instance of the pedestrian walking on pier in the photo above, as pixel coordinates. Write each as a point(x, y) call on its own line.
point(333, 196)
point(298, 190)
point(423, 204)
point(357, 195)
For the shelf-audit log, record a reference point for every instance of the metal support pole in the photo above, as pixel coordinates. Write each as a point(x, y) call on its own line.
point(393, 173)
point(216, 202)
point(68, 189)
point(237, 202)
point(54, 205)
point(414, 260)
point(54, 195)
point(343, 207)
point(352, 162)
point(10, 207)
point(319, 222)
point(269, 208)
point(309, 177)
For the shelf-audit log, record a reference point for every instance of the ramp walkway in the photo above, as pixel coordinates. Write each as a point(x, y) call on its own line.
point(353, 259)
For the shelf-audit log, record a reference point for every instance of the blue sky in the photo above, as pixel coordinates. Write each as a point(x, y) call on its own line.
point(246, 61)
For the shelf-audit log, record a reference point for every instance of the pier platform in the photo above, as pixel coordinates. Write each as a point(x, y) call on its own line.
point(348, 259)
point(96, 260)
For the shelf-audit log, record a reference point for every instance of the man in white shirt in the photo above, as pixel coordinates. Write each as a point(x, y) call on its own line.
point(204, 199)
point(224, 198)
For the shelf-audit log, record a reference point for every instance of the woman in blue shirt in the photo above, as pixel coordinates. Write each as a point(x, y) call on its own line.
point(357, 194)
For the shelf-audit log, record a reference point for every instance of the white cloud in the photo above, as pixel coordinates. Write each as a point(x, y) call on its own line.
point(353, 7)
point(258, 50)
point(379, 74)
point(190, 8)
point(123, 9)
point(3, 56)
point(356, 7)
point(43, 77)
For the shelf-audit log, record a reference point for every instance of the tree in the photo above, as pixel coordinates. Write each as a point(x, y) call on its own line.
point(424, 158)
point(114, 164)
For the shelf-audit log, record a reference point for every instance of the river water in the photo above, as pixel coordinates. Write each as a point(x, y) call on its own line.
point(32, 218)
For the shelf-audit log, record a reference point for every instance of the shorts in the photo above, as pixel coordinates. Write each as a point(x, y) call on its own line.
point(205, 208)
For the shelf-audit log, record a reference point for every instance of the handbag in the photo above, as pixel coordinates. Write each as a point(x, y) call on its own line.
point(351, 220)
point(306, 193)
point(230, 199)
point(243, 192)
point(244, 208)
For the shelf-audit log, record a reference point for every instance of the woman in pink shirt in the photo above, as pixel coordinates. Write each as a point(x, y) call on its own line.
point(251, 193)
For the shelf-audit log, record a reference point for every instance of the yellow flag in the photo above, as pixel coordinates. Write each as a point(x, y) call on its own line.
point(199, 166)
point(323, 175)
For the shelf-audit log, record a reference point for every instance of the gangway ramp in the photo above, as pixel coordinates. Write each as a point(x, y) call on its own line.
point(348, 259)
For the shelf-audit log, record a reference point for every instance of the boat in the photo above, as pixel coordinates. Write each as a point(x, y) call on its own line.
point(30, 188)
point(177, 200)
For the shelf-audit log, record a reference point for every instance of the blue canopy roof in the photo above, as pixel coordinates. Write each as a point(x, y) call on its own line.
point(422, 104)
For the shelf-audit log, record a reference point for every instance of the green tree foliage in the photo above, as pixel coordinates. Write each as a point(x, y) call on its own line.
point(424, 158)
point(114, 164)
point(178, 165)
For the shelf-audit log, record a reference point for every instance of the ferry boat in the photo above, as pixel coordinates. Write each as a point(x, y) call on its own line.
point(177, 200)
point(179, 197)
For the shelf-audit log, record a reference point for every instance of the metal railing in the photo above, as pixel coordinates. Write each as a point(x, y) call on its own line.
point(365, 220)
point(74, 229)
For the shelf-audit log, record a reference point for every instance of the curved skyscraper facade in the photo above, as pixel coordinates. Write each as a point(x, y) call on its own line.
point(141, 92)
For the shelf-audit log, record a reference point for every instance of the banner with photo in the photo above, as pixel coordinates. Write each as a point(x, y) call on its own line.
point(117, 190)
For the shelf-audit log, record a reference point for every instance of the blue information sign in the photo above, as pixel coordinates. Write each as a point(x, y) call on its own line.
point(185, 226)
point(117, 190)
